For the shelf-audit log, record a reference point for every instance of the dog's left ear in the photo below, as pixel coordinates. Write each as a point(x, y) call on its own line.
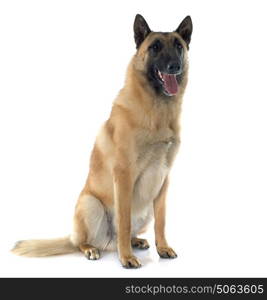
point(141, 30)
point(185, 30)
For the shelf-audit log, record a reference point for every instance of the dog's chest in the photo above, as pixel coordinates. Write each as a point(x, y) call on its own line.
point(153, 166)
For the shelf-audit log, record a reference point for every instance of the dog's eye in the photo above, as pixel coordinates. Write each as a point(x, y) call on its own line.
point(156, 47)
point(178, 45)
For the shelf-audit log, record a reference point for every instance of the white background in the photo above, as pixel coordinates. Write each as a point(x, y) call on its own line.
point(62, 64)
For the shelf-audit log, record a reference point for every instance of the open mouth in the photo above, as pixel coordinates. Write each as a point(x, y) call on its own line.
point(169, 82)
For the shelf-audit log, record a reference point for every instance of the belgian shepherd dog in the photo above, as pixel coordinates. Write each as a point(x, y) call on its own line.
point(132, 156)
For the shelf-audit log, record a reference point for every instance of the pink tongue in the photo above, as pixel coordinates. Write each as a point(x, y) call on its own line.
point(170, 83)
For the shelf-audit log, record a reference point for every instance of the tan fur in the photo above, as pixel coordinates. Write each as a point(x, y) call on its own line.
point(130, 163)
point(35, 248)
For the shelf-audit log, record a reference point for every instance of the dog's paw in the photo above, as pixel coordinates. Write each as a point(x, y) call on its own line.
point(92, 253)
point(166, 252)
point(130, 262)
point(140, 243)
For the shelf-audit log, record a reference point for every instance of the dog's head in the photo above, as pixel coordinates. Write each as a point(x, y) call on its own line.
point(162, 56)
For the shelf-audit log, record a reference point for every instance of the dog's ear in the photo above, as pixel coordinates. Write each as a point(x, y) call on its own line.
point(141, 30)
point(185, 30)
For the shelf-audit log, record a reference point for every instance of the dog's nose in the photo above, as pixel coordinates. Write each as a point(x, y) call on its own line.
point(173, 68)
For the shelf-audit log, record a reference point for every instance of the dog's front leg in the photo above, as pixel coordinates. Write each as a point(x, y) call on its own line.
point(123, 188)
point(163, 248)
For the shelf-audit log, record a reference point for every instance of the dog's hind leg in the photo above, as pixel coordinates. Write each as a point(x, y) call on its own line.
point(139, 243)
point(89, 251)
point(91, 227)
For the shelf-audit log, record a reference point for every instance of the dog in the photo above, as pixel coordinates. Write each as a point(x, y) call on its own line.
point(132, 156)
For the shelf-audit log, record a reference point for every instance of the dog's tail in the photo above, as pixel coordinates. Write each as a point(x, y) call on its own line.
point(38, 248)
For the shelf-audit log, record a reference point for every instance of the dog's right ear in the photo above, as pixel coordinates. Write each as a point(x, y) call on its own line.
point(141, 30)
